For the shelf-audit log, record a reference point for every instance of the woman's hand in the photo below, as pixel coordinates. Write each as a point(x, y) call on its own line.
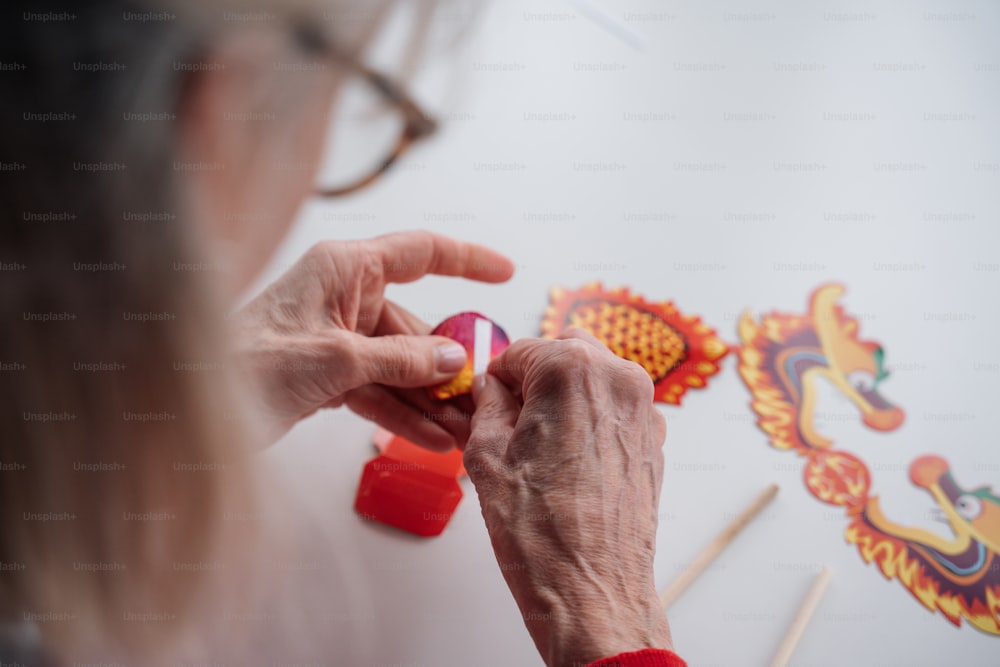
point(566, 456)
point(324, 335)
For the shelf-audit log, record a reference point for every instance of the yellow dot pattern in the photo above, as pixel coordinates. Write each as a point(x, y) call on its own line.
point(633, 334)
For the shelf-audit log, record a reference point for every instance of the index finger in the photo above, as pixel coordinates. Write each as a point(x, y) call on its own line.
point(407, 256)
point(514, 364)
point(396, 320)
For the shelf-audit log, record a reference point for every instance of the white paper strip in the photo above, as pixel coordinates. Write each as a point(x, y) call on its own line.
point(483, 345)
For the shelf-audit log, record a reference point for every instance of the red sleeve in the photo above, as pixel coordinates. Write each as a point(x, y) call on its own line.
point(649, 657)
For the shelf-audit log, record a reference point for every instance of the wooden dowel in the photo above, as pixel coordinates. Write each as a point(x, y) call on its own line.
point(716, 546)
point(802, 618)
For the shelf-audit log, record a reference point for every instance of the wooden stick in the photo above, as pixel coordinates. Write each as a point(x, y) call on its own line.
point(798, 626)
point(716, 546)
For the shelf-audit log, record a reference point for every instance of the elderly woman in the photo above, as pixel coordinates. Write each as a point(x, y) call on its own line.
point(133, 407)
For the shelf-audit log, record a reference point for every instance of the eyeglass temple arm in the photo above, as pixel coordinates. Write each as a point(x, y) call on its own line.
point(419, 125)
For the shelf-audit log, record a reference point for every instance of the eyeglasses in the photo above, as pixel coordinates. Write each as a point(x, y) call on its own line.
point(375, 123)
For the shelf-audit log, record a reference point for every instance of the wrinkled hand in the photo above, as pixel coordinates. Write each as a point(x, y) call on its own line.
point(324, 335)
point(566, 457)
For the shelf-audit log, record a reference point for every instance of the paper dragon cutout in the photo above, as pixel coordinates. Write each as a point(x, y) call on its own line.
point(784, 355)
point(958, 577)
point(678, 351)
point(780, 361)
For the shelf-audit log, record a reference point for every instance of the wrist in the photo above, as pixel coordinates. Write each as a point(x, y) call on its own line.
point(589, 630)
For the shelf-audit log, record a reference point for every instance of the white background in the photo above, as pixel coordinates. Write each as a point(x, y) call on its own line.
point(789, 144)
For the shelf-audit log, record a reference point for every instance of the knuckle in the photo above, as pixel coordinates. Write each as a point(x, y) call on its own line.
point(348, 364)
point(659, 461)
point(473, 455)
point(320, 249)
point(570, 358)
point(476, 459)
point(577, 348)
point(486, 445)
point(518, 357)
point(395, 361)
point(370, 266)
point(635, 372)
point(520, 348)
point(422, 237)
point(319, 256)
point(659, 427)
point(633, 382)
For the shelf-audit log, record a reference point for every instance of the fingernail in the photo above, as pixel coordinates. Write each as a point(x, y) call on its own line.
point(478, 384)
point(449, 357)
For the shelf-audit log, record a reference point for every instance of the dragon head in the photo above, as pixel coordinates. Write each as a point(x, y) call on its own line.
point(958, 576)
point(972, 514)
point(855, 367)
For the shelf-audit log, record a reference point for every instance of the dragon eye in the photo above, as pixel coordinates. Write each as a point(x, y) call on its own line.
point(861, 380)
point(969, 507)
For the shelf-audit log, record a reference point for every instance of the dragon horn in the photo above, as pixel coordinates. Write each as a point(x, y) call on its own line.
point(823, 311)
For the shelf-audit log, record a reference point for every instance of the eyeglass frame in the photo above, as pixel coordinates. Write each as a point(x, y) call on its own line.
point(418, 125)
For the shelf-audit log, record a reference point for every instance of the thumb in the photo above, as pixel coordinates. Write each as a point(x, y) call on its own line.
point(493, 422)
point(409, 361)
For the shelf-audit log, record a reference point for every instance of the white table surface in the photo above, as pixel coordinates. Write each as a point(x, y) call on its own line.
point(786, 145)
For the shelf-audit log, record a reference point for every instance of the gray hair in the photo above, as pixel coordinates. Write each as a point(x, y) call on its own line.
point(96, 417)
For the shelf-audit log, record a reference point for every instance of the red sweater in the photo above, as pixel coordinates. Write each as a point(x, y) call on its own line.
point(650, 657)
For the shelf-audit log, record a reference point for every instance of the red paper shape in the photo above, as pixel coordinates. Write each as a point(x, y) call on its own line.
point(397, 494)
point(409, 487)
point(397, 447)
